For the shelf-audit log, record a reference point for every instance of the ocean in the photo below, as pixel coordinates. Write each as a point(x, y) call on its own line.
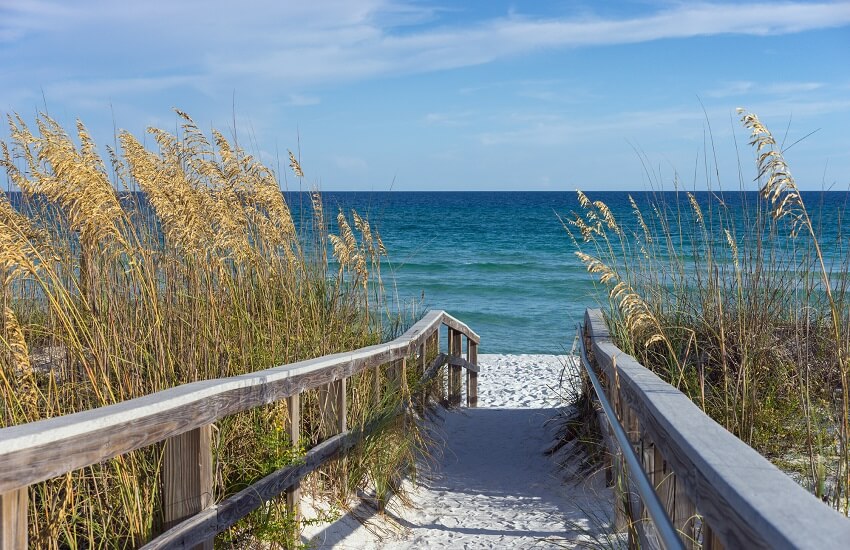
point(502, 262)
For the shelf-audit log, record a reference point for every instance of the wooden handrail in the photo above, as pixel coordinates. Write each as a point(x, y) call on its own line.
point(33, 452)
point(703, 471)
point(222, 515)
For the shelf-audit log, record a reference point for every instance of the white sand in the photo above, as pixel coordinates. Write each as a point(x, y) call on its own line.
point(492, 485)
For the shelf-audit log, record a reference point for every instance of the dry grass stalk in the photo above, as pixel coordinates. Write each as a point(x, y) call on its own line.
point(108, 296)
point(754, 322)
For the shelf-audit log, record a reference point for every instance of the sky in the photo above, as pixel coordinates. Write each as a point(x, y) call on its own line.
point(379, 95)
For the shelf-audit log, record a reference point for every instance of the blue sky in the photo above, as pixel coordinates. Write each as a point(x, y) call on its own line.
point(422, 95)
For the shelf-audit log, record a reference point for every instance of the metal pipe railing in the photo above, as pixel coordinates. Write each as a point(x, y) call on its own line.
point(666, 532)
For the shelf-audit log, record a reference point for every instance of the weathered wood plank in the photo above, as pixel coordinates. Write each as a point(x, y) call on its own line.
point(709, 541)
point(333, 405)
point(220, 516)
point(226, 513)
point(187, 478)
point(13, 519)
point(293, 429)
point(422, 397)
point(37, 451)
point(457, 361)
point(455, 371)
point(434, 367)
point(684, 514)
point(454, 324)
point(471, 374)
point(747, 501)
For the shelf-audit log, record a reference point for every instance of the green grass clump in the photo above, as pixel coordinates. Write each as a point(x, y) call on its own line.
point(740, 309)
point(159, 267)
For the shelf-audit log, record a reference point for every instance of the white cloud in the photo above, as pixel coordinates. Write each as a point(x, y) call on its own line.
point(746, 88)
point(731, 89)
point(299, 100)
point(295, 45)
point(447, 119)
point(553, 130)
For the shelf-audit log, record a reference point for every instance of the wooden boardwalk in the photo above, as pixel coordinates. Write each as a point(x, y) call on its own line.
point(492, 486)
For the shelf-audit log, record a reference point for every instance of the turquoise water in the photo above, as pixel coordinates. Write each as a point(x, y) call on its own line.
point(502, 261)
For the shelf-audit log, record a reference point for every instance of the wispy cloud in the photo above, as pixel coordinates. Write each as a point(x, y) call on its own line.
point(685, 123)
point(448, 119)
point(742, 88)
point(300, 100)
point(298, 45)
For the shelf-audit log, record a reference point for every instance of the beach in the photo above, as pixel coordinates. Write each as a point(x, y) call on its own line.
point(490, 483)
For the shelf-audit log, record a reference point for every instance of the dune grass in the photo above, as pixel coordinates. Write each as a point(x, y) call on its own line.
point(740, 308)
point(161, 266)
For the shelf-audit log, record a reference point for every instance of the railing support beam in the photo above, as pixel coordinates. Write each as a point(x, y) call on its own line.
point(188, 477)
point(13, 519)
point(333, 404)
point(293, 430)
point(471, 376)
point(454, 371)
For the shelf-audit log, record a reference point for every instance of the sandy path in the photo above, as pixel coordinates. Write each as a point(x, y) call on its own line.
point(491, 486)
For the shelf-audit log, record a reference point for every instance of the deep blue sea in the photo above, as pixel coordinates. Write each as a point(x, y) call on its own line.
point(502, 262)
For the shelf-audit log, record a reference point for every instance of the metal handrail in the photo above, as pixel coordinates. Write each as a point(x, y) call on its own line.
point(668, 534)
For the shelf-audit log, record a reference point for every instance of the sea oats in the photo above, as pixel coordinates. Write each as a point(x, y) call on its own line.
point(16, 342)
point(609, 218)
point(180, 207)
point(733, 246)
point(345, 231)
point(696, 208)
point(295, 165)
point(73, 178)
point(341, 251)
point(318, 210)
point(639, 215)
point(636, 313)
point(18, 254)
point(780, 188)
point(365, 230)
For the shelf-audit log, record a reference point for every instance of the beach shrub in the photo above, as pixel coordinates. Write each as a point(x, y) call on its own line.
point(156, 267)
point(741, 302)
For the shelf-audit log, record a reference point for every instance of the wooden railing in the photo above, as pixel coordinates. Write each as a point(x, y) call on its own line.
point(183, 416)
point(718, 491)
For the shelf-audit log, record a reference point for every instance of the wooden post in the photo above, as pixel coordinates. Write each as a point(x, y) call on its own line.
point(454, 371)
point(471, 376)
point(333, 404)
point(635, 504)
point(450, 337)
point(334, 420)
point(663, 481)
point(394, 373)
point(423, 395)
point(432, 348)
point(402, 372)
point(684, 515)
point(621, 519)
point(293, 429)
point(648, 455)
point(188, 477)
point(376, 386)
point(13, 519)
point(709, 539)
